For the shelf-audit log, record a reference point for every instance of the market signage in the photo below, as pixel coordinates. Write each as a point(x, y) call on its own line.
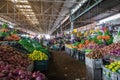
point(87, 27)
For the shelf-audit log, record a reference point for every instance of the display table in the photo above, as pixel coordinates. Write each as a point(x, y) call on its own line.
point(76, 54)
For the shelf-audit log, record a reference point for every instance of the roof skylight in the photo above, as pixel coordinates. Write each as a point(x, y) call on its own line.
point(23, 6)
point(78, 6)
point(26, 10)
point(21, 1)
point(30, 15)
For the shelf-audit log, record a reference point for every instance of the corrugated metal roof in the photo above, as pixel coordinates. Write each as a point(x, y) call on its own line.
point(40, 16)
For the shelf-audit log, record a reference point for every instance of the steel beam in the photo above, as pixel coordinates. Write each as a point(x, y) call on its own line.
point(54, 27)
point(31, 15)
point(55, 1)
point(79, 13)
point(3, 6)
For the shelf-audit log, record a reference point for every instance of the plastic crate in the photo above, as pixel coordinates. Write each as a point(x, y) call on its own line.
point(109, 75)
point(72, 52)
point(93, 63)
point(41, 65)
point(94, 74)
point(88, 61)
point(114, 76)
point(106, 78)
point(106, 73)
point(67, 50)
point(89, 74)
point(81, 55)
point(77, 55)
point(31, 67)
point(97, 63)
point(97, 74)
point(118, 76)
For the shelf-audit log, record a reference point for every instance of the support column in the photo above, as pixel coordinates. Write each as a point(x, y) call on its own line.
point(61, 28)
point(71, 26)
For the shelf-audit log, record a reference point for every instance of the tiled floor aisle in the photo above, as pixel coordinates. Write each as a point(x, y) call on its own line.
point(64, 67)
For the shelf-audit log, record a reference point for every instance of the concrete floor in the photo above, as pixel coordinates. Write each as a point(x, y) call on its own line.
point(64, 67)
